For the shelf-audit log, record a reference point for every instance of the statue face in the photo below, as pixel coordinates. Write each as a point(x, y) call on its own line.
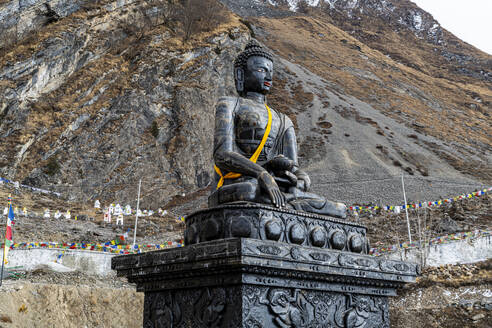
point(258, 75)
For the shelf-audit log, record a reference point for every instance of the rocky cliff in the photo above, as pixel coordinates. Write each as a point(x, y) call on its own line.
point(98, 94)
point(81, 94)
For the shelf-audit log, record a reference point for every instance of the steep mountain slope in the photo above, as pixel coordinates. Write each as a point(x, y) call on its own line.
point(81, 94)
point(423, 128)
point(106, 93)
point(396, 58)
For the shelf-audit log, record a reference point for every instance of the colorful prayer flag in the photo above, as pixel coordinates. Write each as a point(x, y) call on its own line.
point(9, 240)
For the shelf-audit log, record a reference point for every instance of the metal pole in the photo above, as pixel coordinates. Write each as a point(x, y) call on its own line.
point(3, 263)
point(136, 215)
point(406, 209)
point(3, 250)
point(420, 241)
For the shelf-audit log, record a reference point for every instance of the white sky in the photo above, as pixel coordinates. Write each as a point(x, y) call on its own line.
point(469, 20)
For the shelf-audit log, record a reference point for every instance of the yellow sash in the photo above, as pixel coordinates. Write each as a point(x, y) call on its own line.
point(253, 158)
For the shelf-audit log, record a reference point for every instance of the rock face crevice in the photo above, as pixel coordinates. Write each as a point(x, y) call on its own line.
point(18, 18)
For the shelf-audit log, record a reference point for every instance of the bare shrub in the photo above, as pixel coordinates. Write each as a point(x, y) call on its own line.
point(200, 16)
point(164, 12)
point(136, 25)
point(149, 15)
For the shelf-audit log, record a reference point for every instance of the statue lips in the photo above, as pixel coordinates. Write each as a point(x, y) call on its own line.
point(267, 84)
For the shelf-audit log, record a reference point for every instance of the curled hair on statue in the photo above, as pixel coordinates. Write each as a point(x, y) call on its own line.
point(253, 48)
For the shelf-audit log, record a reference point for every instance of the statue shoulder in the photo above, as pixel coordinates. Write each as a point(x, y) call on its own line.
point(287, 121)
point(226, 102)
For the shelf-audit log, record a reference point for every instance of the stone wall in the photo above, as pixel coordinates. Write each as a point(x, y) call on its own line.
point(459, 252)
point(94, 263)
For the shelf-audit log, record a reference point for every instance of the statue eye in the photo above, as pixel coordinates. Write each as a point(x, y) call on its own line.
point(261, 70)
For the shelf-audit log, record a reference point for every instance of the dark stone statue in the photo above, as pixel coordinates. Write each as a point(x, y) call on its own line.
point(248, 264)
point(255, 149)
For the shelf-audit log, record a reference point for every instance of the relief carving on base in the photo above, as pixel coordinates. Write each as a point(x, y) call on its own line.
point(296, 308)
point(209, 307)
point(200, 308)
point(357, 311)
point(163, 311)
point(289, 310)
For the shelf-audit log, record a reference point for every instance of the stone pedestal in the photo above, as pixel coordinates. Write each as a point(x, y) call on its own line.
point(254, 266)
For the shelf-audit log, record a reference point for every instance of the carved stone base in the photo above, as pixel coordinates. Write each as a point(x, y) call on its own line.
point(251, 306)
point(242, 282)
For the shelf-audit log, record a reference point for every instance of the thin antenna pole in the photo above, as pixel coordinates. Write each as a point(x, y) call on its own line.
point(4, 245)
point(136, 215)
point(406, 209)
point(420, 240)
point(3, 263)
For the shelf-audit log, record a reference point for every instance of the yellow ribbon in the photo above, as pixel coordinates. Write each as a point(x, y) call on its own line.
point(253, 158)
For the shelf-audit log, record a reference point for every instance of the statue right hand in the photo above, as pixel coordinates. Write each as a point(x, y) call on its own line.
point(280, 163)
point(267, 183)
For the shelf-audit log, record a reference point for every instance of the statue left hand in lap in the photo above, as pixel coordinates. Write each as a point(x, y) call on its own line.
point(255, 148)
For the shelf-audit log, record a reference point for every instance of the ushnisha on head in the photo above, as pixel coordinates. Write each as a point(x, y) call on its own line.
point(253, 70)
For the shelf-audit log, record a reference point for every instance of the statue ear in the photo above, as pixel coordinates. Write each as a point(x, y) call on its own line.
point(239, 79)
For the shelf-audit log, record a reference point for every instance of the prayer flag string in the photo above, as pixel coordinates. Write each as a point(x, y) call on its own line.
point(108, 247)
point(425, 204)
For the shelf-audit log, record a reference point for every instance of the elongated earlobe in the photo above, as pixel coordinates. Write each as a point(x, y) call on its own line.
point(239, 79)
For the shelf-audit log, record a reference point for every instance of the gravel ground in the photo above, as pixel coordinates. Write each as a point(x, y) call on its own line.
point(386, 190)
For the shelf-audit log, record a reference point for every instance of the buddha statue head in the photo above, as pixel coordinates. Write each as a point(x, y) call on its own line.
point(253, 69)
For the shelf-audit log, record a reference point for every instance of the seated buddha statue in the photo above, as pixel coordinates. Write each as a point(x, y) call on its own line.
point(255, 149)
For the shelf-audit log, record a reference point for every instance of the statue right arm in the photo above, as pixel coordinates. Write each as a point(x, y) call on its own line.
point(229, 160)
point(225, 156)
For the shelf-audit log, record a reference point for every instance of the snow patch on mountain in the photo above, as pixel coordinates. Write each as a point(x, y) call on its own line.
point(417, 20)
point(408, 17)
point(294, 4)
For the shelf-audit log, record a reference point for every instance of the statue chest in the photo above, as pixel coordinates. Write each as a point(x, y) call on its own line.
point(250, 124)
